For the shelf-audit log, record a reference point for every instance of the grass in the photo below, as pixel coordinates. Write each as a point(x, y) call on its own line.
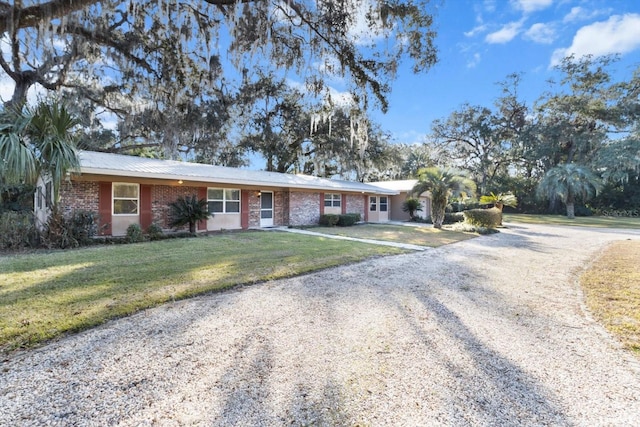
point(420, 236)
point(612, 289)
point(583, 221)
point(45, 295)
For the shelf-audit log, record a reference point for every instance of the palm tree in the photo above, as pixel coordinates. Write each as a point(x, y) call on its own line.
point(499, 200)
point(568, 182)
point(37, 142)
point(188, 210)
point(411, 205)
point(442, 183)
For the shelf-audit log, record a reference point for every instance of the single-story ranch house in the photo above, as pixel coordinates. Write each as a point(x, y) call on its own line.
point(128, 190)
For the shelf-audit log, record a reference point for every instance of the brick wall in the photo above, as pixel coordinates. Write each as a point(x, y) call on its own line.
point(355, 204)
point(304, 208)
point(78, 195)
point(254, 208)
point(161, 196)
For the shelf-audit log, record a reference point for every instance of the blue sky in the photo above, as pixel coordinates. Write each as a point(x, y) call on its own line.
point(480, 42)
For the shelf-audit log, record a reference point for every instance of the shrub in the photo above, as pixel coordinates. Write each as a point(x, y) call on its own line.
point(188, 210)
point(468, 228)
point(17, 230)
point(582, 211)
point(63, 233)
point(329, 220)
point(134, 234)
point(346, 220)
point(83, 226)
point(488, 218)
point(453, 218)
point(411, 205)
point(57, 232)
point(154, 231)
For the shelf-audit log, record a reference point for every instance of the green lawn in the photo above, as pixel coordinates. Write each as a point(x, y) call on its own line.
point(585, 221)
point(612, 290)
point(420, 236)
point(44, 295)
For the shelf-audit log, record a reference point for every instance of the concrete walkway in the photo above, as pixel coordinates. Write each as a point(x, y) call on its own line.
point(373, 242)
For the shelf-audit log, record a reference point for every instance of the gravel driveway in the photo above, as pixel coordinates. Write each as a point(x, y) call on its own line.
point(486, 332)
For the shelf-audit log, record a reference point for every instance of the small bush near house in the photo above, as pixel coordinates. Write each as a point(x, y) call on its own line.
point(488, 218)
point(188, 210)
point(83, 226)
point(329, 220)
point(411, 206)
point(57, 233)
point(63, 233)
point(453, 218)
point(134, 234)
point(346, 220)
point(154, 232)
point(17, 230)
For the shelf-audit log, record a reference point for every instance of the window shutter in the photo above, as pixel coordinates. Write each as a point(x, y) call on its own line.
point(104, 209)
point(146, 216)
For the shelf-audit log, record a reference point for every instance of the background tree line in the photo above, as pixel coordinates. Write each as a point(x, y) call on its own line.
point(580, 138)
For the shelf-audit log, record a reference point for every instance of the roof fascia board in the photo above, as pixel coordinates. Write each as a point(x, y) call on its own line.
point(150, 175)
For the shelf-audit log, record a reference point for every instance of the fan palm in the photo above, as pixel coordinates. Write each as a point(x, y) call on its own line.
point(500, 200)
point(442, 183)
point(37, 142)
point(411, 205)
point(568, 182)
point(188, 210)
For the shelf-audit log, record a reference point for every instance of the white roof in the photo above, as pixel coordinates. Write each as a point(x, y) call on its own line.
point(398, 186)
point(92, 162)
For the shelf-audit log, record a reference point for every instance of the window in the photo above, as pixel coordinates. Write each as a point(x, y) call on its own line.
point(125, 198)
point(48, 194)
point(383, 203)
point(39, 197)
point(332, 200)
point(223, 200)
point(373, 204)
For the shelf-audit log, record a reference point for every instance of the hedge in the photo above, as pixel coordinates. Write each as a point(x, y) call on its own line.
point(346, 220)
point(343, 220)
point(489, 218)
point(329, 220)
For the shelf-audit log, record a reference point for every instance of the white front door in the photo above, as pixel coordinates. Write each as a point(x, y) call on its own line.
point(266, 209)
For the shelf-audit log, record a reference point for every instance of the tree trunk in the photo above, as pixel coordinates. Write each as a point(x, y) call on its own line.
point(437, 213)
point(500, 206)
point(571, 213)
point(192, 227)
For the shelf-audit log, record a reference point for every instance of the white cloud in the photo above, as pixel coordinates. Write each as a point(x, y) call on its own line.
point(489, 5)
point(619, 34)
point(541, 33)
point(476, 30)
point(578, 13)
point(531, 5)
point(475, 60)
point(505, 34)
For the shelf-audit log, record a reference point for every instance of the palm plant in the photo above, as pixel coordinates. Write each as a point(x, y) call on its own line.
point(568, 182)
point(188, 210)
point(442, 183)
point(36, 142)
point(411, 205)
point(499, 200)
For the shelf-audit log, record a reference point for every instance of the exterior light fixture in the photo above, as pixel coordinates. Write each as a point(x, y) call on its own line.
point(180, 181)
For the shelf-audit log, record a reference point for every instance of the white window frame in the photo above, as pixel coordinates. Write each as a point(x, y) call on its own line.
point(385, 204)
point(373, 204)
point(225, 200)
point(334, 200)
point(114, 198)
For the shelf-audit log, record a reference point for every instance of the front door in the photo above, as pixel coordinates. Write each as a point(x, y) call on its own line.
point(266, 209)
